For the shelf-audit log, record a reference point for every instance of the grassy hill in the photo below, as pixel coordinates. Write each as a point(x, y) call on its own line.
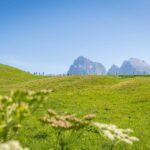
point(10, 76)
point(124, 101)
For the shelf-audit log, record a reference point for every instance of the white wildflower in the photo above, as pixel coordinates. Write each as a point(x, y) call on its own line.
point(127, 130)
point(12, 145)
point(133, 138)
point(112, 132)
point(127, 141)
point(100, 125)
point(109, 135)
point(4, 147)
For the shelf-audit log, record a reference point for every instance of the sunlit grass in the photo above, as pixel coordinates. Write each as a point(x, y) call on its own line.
point(123, 101)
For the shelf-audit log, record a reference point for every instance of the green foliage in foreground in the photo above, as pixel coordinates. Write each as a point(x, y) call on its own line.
point(15, 107)
point(69, 128)
point(20, 104)
point(123, 101)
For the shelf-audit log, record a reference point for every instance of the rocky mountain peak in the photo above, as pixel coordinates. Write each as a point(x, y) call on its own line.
point(113, 70)
point(134, 66)
point(83, 66)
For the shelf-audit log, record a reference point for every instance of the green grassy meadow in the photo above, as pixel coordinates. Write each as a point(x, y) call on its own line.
point(124, 101)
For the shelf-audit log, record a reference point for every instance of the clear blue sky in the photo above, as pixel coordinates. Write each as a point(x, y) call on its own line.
point(47, 35)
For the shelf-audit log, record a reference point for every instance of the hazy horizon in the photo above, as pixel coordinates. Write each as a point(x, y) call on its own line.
point(46, 36)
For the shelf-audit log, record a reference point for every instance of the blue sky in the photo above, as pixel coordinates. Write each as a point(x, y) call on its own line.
point(47, 35)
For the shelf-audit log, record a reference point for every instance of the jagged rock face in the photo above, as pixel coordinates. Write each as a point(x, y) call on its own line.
point(84, 66)
point(130, 67)
point(134, 66)
point(114, 70)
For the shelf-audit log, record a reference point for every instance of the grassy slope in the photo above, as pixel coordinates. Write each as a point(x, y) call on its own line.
point(11, 77)
point(118, 100)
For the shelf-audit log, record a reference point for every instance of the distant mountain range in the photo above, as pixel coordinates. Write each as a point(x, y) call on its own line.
point(84, 66)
